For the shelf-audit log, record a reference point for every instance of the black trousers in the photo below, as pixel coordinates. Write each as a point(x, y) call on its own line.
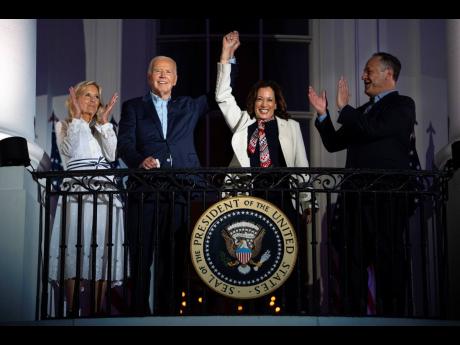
point(157, 230)
point(368, 229)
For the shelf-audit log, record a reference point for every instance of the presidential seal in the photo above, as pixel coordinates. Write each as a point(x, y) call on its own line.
point(243, 247)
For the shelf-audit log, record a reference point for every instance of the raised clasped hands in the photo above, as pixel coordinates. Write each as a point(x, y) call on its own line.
point(230, 43)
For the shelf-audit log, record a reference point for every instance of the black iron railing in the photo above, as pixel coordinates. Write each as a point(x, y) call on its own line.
point(353, 212)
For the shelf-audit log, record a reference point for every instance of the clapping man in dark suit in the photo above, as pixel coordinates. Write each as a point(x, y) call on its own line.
point(157, 131)
point(376, 135)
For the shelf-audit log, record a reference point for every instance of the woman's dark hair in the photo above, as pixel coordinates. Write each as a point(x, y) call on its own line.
point(281, 108)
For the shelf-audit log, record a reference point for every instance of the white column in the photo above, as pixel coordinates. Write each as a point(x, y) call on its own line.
point(18, 56)
point(453, 217)
point(453, 77)
point(453, 89)
point(18, 40)
point(19, 211)
point(19, 238)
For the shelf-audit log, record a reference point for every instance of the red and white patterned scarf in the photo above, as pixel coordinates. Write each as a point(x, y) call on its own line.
point(259, 134)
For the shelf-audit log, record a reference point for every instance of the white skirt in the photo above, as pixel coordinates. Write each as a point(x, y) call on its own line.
point(103, 240)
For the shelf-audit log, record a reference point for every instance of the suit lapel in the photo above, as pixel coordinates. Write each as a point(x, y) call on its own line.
point(284, 136)
point(151, 113)
point(240, 143)
point(171, 115)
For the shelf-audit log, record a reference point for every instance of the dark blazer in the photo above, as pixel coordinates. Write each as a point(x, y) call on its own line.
point(140, 134)
point(379, 139)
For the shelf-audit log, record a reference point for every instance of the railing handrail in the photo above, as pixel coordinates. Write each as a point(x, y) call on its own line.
point(230, 170)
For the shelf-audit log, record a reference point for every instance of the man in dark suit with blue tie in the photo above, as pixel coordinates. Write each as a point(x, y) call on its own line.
point(157, 131)
point(376, 135)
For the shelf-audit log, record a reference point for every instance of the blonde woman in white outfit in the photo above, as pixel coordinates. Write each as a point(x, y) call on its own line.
point(86, 140)
point(263, 135)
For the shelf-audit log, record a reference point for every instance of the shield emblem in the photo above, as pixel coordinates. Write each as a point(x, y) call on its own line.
point(243, 255)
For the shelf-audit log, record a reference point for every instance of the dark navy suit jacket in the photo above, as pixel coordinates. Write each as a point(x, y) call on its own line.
point(140, 134)
point(379, 139)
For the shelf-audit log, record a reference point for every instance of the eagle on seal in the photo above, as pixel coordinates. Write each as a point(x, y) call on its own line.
point(244, 247)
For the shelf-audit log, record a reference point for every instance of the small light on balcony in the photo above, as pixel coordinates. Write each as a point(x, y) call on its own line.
point(240, 308)
point(183, 293)
point(184, 303)
point(181, 312)
point(273, 298)
point(200, 299)
point(272, 303)
point(277, 309)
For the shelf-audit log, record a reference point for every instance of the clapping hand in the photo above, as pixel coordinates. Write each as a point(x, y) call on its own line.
point(343, 93)
point(103, 115)
point(76, 106)
point(319, 102)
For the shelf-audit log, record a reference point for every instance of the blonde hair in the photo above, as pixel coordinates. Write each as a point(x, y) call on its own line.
point(79, 90)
